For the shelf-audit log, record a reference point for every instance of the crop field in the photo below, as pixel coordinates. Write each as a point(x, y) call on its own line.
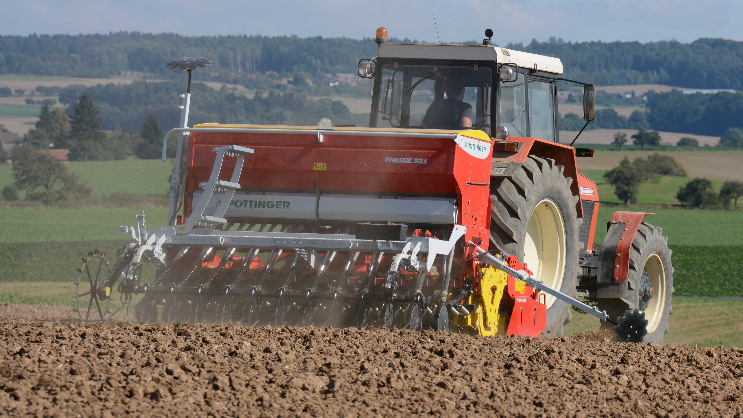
point(140, 177)
point(40, 245)
point(709, 164)
point(136, 177)
point(30, 82)
point(18, 111)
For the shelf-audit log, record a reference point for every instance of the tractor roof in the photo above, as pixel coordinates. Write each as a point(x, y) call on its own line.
point(471, 53)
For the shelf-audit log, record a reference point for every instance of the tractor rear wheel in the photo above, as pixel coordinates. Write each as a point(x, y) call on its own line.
point(650, 281)
point(534, 217)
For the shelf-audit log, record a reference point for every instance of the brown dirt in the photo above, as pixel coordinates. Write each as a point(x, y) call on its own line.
point(66, 368)
point(713, 165)
point(606, 136)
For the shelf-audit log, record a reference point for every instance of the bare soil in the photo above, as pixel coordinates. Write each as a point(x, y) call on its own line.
point(606, 136)
point(723, 165)
point(66, 368)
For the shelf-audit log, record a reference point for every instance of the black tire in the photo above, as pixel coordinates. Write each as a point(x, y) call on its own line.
point(550, 251)
point(649, 257)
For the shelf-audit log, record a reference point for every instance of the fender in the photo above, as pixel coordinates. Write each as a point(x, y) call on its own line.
point(614, 255)
point(505, 162)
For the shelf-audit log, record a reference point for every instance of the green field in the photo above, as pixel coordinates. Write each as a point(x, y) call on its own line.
point(141, 177)
point(132, 176)
point(659, 191)
point(698, 322)
point(46, 245)
point(15, 111)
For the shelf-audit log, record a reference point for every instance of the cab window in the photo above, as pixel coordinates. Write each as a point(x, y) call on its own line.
point(424, 97)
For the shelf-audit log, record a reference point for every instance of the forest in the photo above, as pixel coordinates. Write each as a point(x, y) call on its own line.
point(126, 106)
point(704, 63)
point(286, 71)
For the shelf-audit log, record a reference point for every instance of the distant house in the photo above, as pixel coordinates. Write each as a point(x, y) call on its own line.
point(60, 154)
point(9, 140)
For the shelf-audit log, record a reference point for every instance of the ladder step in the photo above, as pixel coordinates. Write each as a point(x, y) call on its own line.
point(234, 150)
point(221, 185)
point(211, 221)
point(226, 185)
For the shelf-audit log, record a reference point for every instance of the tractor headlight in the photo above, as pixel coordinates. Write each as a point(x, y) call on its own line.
point(507, 73)
point(501, 132)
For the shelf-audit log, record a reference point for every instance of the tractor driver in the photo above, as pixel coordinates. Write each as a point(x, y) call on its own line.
point(449, 113)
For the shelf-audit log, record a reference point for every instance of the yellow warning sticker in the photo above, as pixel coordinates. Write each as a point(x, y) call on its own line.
point(319, 166)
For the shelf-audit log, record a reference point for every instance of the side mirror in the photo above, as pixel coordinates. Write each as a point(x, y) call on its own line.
point(366, 68)
point(589, 101)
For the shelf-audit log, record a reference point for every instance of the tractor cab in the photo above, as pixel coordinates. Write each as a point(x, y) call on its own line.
point(505, 92)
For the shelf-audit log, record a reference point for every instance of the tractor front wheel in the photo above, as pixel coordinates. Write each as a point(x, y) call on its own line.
point(650, 283)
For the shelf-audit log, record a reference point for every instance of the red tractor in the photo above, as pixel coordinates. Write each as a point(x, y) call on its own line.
point(458, 208)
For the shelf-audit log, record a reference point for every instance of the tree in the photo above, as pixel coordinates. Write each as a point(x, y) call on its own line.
point(625, 180)
point(645, 138)
point(53, 126)
point(3, 155)
point(43, 177)
point(638, 120)
point(44, 118)
point(86, 138)
point(666, 165)
point(731, 190)
point(732, 138)
point(33, 169)
point(86, 124)
point(643, 169)
point(9, 193)
point(620, 138)
point(687, 142)
point(697, 193)
point(150, 146)
point(59, 128)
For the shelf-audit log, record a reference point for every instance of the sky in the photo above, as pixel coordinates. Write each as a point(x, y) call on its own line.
point(422, 20)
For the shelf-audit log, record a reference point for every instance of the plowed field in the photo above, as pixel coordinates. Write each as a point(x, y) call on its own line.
point(64, 368)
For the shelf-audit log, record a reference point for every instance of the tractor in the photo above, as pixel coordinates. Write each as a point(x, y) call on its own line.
point(459, 208)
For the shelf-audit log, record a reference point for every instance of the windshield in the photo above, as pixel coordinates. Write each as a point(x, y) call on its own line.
point(434, 97)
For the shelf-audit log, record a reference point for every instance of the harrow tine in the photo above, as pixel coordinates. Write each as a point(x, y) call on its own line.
point(173, 263)
point(199, 260)
point(272, 259)
point(225, 259)
point(246, 262)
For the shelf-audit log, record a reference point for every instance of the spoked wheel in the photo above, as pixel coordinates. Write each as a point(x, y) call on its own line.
point(93, 276)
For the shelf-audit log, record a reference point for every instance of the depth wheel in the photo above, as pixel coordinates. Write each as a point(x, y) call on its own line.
point(92, 274)
point(650, 281)
point(534, 217)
